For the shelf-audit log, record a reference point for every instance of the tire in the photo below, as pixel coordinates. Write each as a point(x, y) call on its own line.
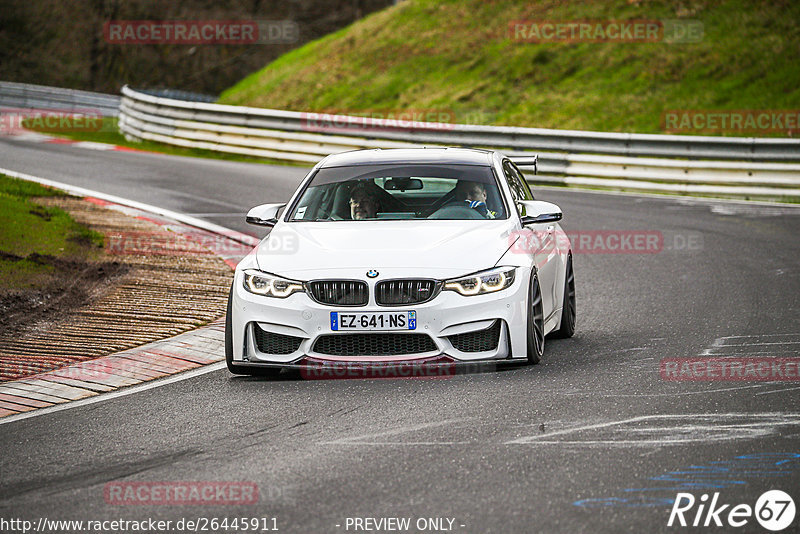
point(535, 322)
point(232, 367)
point(568, 310)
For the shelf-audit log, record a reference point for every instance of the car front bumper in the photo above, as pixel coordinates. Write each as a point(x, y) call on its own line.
point(448, 314)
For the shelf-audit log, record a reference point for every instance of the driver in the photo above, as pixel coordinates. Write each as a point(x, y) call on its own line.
point(363, 203)
point(474, 194)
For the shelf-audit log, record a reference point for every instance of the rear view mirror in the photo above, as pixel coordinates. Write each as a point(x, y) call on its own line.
point(403, 184)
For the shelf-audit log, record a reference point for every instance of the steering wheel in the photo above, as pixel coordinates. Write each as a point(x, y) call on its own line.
point(446, 199)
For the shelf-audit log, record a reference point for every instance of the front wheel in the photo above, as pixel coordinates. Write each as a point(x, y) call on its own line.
point(568, 310)
point(535, 322)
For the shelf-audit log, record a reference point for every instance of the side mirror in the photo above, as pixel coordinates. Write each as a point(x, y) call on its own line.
point(264, 215)
point(537, 211)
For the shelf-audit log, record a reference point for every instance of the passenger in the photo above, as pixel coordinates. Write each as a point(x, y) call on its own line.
point(363, 203)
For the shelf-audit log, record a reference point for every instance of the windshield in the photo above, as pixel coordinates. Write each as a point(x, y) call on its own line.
point(392, 192)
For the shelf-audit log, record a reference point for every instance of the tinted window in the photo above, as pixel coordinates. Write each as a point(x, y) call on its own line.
point(516, 182)
point(392, 192)
point(521, 177)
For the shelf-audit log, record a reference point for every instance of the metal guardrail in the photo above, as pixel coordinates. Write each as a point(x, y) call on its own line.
point(691, 164)
point(42, 97)
point(177, 94)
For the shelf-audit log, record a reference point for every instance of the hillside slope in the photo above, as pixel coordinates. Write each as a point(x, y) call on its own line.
point(459, 57)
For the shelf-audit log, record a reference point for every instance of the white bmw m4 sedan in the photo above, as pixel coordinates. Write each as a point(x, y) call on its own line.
point(437, 255)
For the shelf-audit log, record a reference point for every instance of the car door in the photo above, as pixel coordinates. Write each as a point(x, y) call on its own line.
point(541, 237)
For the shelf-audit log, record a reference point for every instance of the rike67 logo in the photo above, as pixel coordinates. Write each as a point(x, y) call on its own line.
point(774, 511)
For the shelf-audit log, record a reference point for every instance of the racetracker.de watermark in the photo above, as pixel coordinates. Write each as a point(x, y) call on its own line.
point(672, 31)
point(386, 121)
point(409, 369)
point(153, 364)
point(14, 120)
point(604, 241)
point(204, 493)
point(164, 243)
point(168, 243)
point(731, 369)
point(717, 121)
point(201, 32)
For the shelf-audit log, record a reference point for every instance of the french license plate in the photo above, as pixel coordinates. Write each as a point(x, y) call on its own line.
point(406, 320)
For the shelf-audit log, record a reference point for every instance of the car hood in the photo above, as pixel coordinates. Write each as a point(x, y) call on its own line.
point(438, 249)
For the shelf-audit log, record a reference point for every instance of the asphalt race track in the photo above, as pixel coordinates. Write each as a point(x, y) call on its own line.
point(592, 439)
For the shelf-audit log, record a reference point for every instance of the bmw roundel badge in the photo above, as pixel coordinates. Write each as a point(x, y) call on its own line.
point(372, 273)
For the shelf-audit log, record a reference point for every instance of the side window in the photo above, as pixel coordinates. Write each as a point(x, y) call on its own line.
point(523, 181)
point(517, 190)
point(512, 181)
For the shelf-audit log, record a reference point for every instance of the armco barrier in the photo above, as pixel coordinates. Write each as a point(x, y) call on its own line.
point(41, 97)
point(690, 164)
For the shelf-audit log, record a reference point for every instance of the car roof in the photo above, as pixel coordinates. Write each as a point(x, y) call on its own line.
point(377, 156)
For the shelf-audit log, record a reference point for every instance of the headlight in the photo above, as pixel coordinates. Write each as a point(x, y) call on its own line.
point(489, 281)
point(270, 285)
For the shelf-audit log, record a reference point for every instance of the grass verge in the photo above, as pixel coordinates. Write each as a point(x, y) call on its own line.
point(34, 238)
